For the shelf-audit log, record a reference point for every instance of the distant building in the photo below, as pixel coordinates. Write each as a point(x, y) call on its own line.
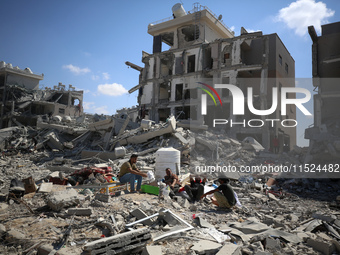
point(325, 136)
point(203, 49)
point(21, 100)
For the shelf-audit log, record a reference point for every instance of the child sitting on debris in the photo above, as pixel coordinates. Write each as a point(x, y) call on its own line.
point(223, 194)
point(196, 188)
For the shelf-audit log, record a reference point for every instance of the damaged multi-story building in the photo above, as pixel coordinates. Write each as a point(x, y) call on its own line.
point(202, 49)
point(22, 102)
point(324, 136)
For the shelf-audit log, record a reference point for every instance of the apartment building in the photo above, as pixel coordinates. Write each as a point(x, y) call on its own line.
point(324, 136)
point(192, 52)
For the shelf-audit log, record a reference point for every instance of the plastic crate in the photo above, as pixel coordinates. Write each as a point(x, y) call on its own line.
point(150, 189)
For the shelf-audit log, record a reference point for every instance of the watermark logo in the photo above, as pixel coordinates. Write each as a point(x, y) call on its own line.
point(204, 97)
point(238, 103)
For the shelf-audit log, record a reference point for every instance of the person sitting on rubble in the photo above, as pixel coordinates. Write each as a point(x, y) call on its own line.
point(196, 188)
point(74, 180)
point(130, 173)
point(172, 181)
point(223, 195)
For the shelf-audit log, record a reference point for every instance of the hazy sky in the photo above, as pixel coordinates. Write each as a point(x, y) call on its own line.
point(86, 43)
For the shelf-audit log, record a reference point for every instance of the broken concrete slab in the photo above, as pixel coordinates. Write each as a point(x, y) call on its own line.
point(203, 223)
point(230, 249)
point(46, 187)
point(152, 250)
point(249, 143)
point(212, 145)
point(272, 244)
point(326, 248)
point(206, 247)
point(15, 236)
point(327, 218)
point(139, 214)
point(62, 199)
point(180, 137)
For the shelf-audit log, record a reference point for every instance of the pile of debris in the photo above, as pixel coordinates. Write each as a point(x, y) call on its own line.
point(40, 214)
point(267, 220)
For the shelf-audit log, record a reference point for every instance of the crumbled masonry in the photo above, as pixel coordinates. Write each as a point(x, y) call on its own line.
point(59, 186)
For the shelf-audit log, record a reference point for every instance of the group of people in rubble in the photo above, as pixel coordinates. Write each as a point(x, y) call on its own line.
point(223, 195)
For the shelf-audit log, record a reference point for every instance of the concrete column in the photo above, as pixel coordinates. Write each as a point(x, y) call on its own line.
point(263, 92)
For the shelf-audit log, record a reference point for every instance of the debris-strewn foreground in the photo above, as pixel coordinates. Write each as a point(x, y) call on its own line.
point(275, 214)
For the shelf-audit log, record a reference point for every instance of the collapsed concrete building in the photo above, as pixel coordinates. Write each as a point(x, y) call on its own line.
point(324, 136)
point(204, 50)
point(22, 101)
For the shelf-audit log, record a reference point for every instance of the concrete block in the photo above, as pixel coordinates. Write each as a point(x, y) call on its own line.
point(79, 211)
point(230, 249)
point(46, 187)
point(176, 206)
point(169, 218)
point(152, 250)
point(140, 214)
point(327, 218)
point(146, 207)
point(102, 197)
point(206, 247)
point(203, 223)
point(326, 248)
point(273, 244)
point(180, 137)
point(62, 199)
point(125, 243)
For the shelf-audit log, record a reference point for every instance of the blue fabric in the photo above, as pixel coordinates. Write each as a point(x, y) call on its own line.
point(131, 178)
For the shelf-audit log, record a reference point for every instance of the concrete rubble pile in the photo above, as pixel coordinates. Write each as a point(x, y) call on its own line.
point(42, 215)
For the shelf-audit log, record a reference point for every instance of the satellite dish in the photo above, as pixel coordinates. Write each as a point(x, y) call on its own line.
point(219, 17)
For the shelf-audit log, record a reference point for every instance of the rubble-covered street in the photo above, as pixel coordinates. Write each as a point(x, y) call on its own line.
point(213, 159)
point(275, 215)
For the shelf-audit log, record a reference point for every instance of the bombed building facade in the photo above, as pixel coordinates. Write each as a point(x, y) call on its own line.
point(324, 136)
point(22, 101)
point(205, 51)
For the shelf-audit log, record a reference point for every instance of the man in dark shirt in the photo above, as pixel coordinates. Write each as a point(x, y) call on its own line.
point(223, 195)
point(196, 188)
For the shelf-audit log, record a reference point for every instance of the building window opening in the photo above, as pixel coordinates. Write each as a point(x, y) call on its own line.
point(191, 33)
point(280, 60)
point(179, 92)
point(164, 91)
point(208, 61)
point(226, 57)
point(191, 64)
